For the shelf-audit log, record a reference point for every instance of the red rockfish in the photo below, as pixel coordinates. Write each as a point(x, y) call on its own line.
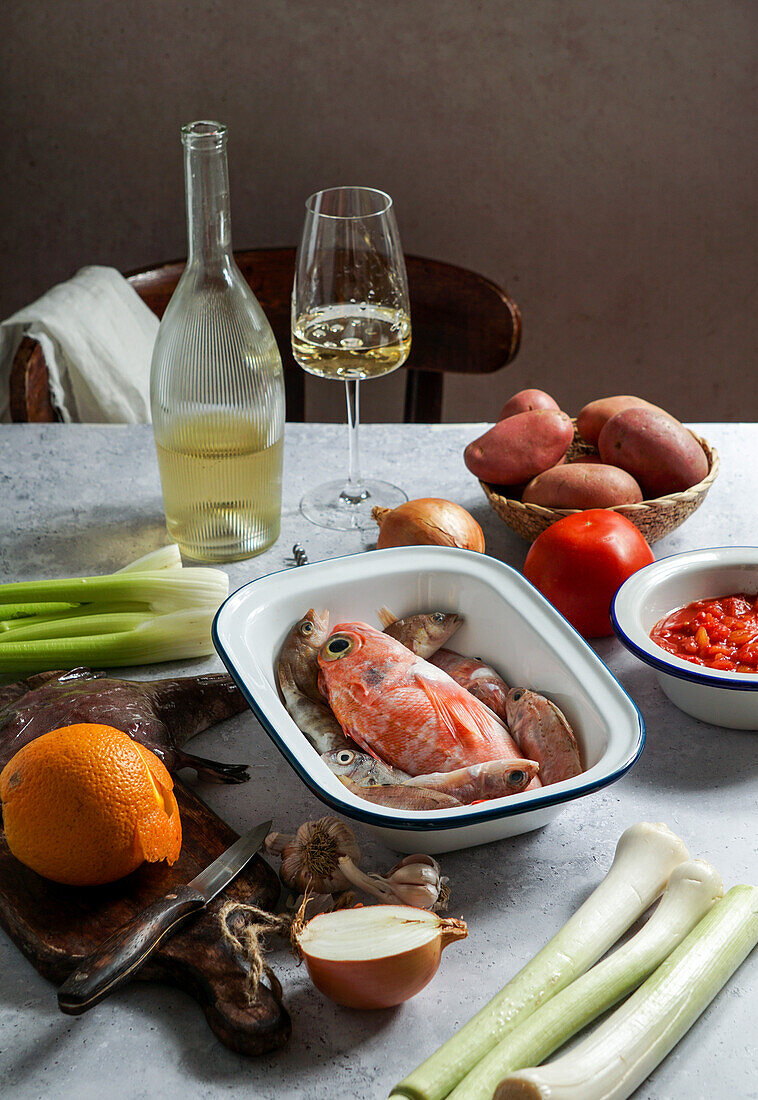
point(403, 710)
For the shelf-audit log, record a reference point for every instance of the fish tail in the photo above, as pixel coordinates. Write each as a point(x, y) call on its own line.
point(386, 618)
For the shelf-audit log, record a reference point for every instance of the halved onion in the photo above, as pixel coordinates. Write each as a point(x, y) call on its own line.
point(376, 956)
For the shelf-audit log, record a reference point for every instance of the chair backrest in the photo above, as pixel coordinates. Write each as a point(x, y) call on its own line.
point(461, 322)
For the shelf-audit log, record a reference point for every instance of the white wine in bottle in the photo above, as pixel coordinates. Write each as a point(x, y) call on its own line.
point(216, 384)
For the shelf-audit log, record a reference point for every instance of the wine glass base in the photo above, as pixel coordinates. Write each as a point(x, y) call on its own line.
point(329, 505)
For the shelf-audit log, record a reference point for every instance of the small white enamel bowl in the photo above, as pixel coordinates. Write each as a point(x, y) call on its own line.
point(507, 623)
point(721, 698)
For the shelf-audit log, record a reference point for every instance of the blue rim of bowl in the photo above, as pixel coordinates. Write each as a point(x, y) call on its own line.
point(370, 817)
point(696, 676)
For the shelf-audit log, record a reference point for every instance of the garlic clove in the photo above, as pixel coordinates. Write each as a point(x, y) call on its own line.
point(275, 843)
point(415, 873)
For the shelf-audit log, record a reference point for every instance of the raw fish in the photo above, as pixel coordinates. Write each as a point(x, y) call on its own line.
point(542, 732)
point(161, 714)
point(423, 633)
point(403, 709)
point(297, 672)
point(475, 676)
point(402, 797)
point(493, 779)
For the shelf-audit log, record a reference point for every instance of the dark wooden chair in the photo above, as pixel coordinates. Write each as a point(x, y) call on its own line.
point(462, 323)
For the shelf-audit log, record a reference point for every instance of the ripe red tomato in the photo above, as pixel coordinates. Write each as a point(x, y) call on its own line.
point(580, 562)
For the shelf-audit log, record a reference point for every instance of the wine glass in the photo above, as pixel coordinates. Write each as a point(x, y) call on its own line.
point(350, 321)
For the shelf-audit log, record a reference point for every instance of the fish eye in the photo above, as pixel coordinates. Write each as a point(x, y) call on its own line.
point(306, 627)
point(438, 617)
point(517, 777)
point(345, 756)
point(338, 646)
point(517, 695)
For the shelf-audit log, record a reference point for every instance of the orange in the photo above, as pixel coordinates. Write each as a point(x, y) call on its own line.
point(86, 804)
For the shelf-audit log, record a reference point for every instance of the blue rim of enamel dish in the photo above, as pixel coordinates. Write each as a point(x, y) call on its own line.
point(371, 817)
point(696, 674)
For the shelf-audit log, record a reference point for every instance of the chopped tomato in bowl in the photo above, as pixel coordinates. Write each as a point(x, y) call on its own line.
point(693, 618)
point(718, 633)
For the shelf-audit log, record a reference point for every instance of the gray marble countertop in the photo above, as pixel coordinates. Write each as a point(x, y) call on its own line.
point(86, 499)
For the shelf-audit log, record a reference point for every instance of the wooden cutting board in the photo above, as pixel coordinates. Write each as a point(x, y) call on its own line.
point(57, 926)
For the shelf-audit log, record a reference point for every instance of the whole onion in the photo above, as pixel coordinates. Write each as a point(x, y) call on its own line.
point(429, 521)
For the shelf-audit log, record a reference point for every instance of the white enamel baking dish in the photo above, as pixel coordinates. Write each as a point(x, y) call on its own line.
point(507, 623)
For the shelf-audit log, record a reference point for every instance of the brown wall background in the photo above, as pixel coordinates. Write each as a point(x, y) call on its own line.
point(595, 157)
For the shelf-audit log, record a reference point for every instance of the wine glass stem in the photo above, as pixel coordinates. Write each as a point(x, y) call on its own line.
point(354, 491)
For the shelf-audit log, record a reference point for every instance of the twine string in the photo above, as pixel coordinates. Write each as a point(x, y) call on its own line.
point(245, 938)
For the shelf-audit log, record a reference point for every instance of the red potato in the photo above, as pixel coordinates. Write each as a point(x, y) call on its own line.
point(582, 485)
point(655, 449)
point(590, 421)
point(526, 401)
point(591, 458)
point(516, 449)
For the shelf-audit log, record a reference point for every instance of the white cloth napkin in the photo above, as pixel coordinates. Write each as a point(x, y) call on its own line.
point(97, 337)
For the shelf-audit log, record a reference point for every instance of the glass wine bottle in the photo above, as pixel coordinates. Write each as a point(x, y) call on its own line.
point(216, 383)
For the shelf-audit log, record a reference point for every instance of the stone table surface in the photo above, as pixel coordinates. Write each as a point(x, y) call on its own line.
point(86, 499)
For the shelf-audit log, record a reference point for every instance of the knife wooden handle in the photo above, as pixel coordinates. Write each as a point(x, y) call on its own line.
point(121, 955)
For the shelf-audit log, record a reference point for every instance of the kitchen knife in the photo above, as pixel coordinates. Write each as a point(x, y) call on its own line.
point(121, 955)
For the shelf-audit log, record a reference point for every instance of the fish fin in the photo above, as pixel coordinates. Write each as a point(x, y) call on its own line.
point(386, 617)
point(354, 735)
point(456, 712)
point(285, 678)
point(215, 771)
point(561, 718)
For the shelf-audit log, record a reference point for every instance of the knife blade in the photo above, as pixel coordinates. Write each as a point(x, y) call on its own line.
point(121, 955)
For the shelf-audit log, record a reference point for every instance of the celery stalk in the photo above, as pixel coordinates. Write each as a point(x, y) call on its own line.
point(171, 637)
point(165, 557)
point(646, 855)
point(13, 611)
point(76, 626)
point(162, 589)
point(77, 611)
point(693, 888)
point(617, 1057)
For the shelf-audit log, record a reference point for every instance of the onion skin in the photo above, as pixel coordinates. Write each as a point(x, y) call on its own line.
point(428, 521)
point(383, 982)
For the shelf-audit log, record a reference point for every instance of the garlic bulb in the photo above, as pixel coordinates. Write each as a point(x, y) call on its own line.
point(415, 881)
point(311, 858)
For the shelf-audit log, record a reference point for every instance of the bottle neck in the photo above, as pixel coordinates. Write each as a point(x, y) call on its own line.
point(207, 188)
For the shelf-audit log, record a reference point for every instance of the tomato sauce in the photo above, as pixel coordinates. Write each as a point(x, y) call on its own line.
point(720, 633)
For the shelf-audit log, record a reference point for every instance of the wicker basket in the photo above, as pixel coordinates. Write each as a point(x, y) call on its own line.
point(654, 518)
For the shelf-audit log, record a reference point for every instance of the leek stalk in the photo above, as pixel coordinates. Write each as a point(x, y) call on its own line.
point(645, 857)
point(617, 1057)
point(693, 888)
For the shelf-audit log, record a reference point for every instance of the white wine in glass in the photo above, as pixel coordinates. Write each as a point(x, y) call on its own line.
point(352, 342)
point(350, 321)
